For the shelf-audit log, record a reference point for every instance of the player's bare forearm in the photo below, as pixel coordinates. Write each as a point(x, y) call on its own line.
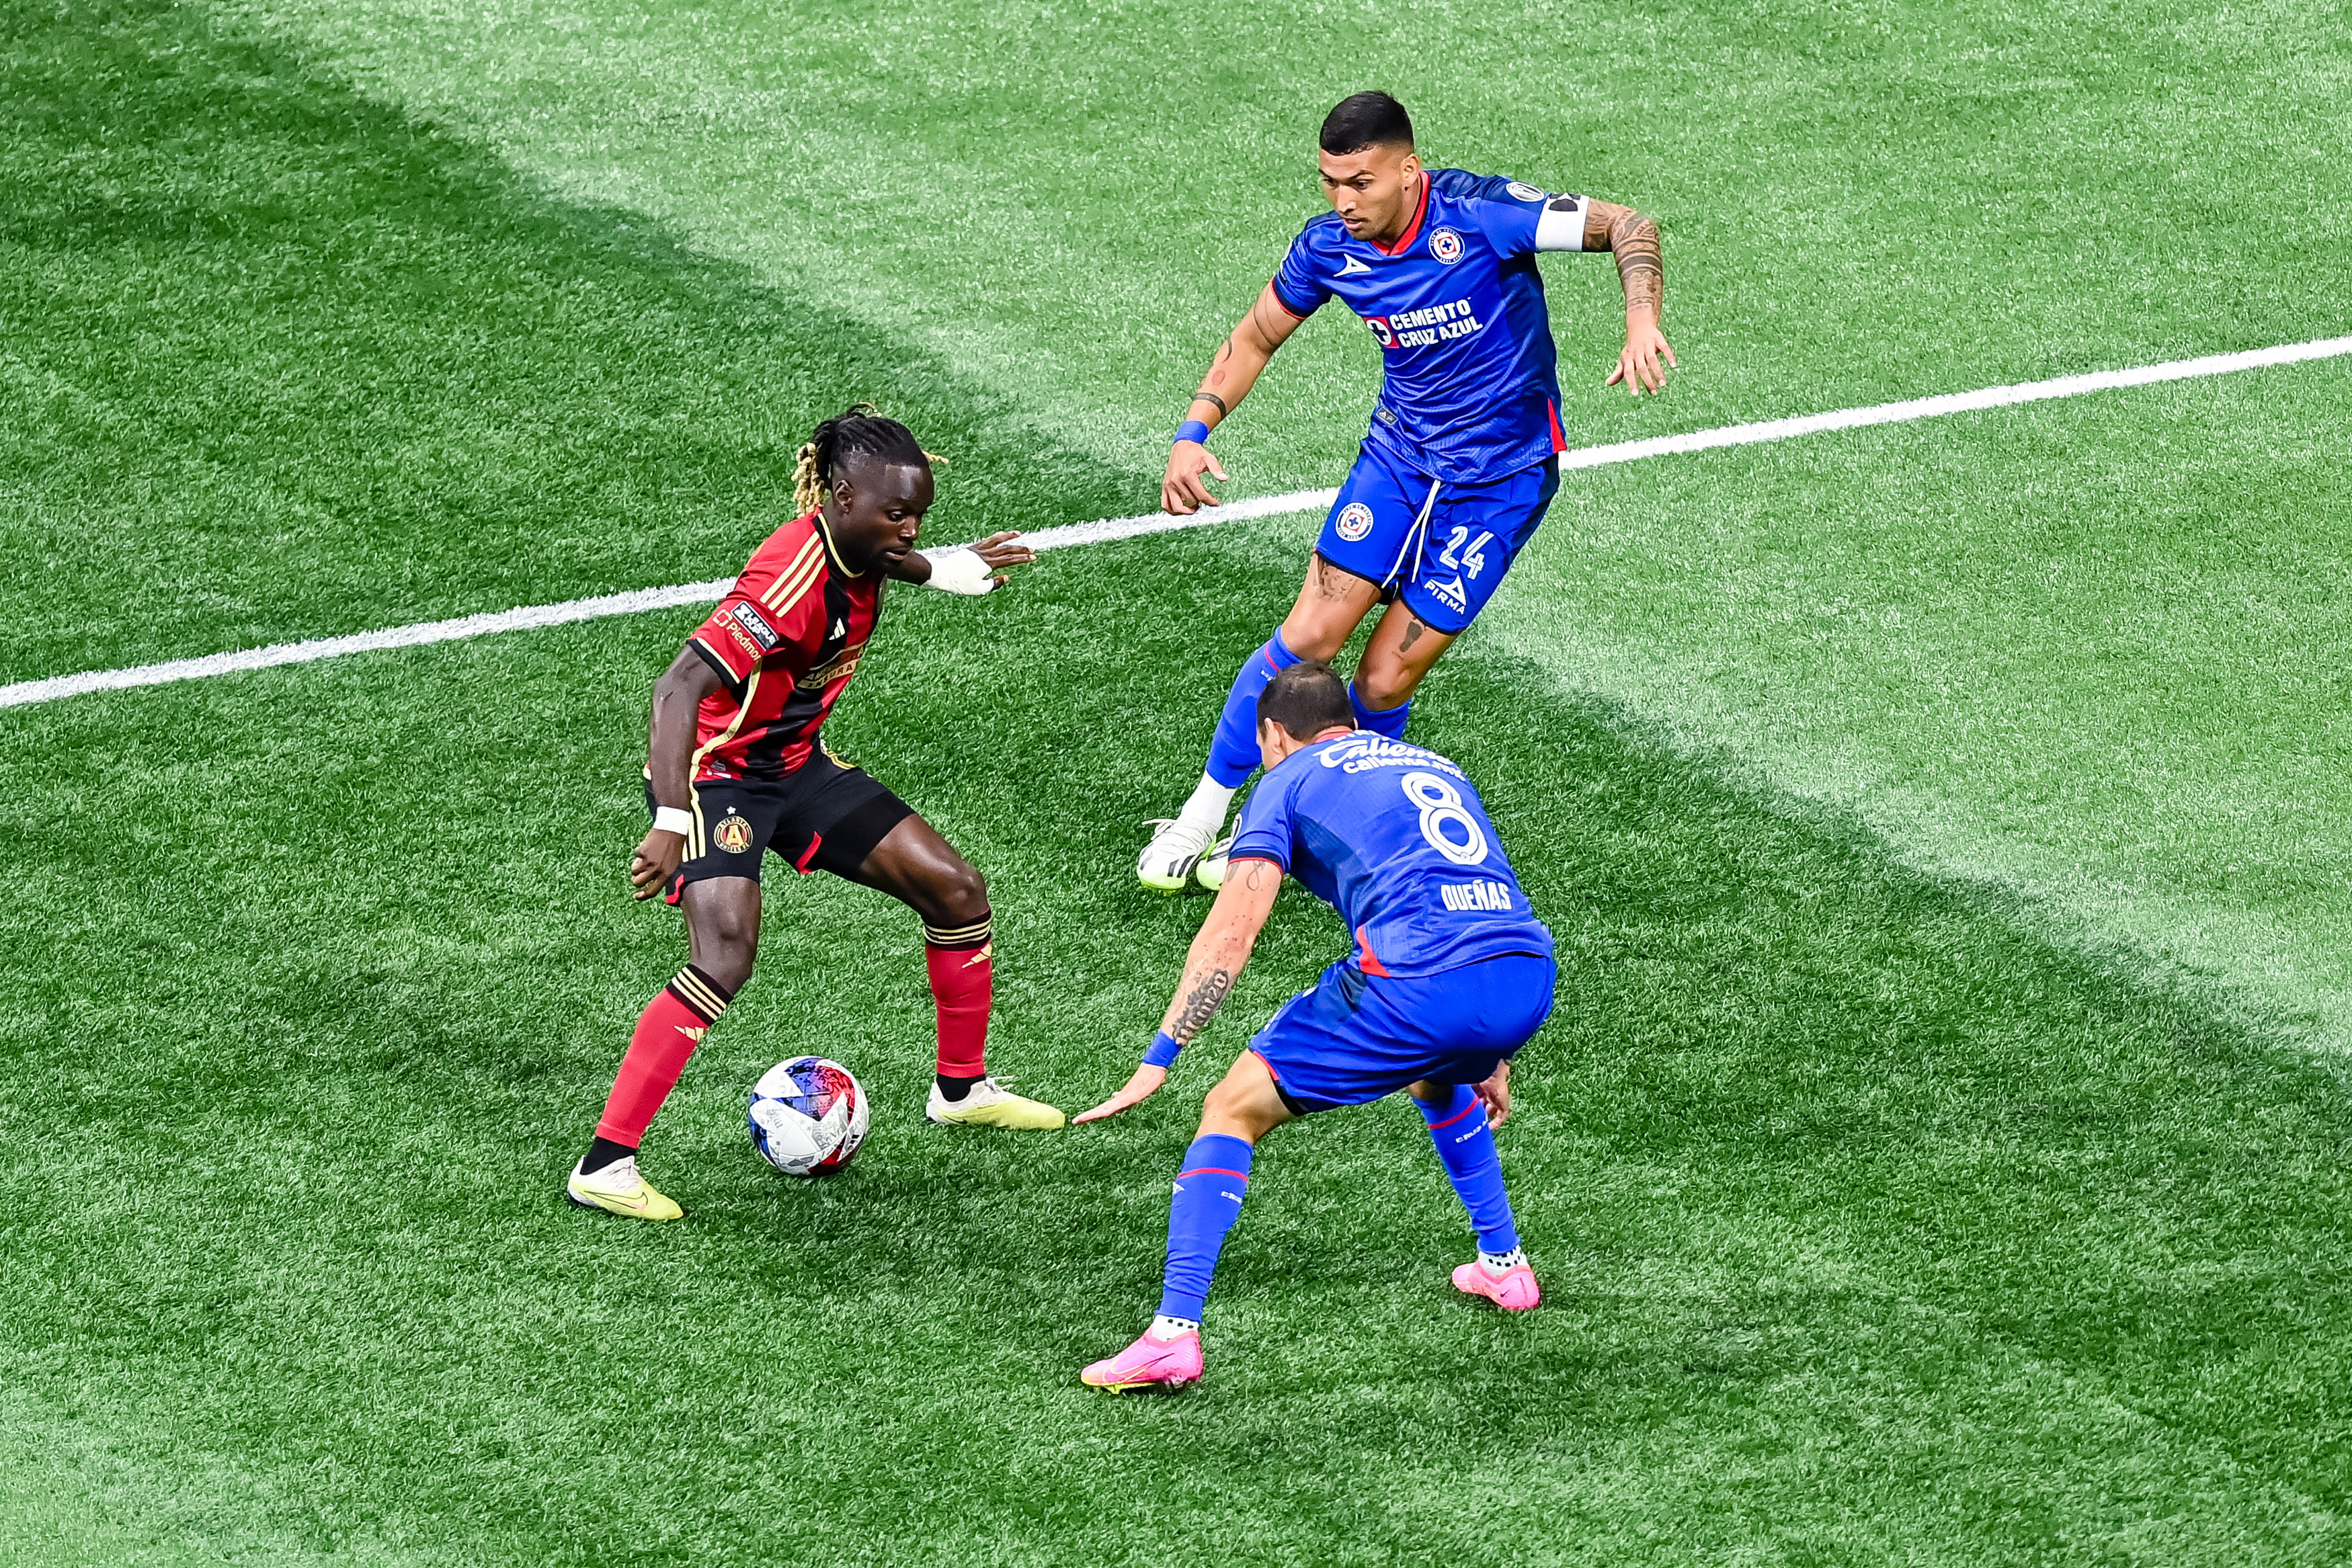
point(1632, 239)
point(669, 753)
point(669, 745)
point(1222, 947)
point(1240, 360)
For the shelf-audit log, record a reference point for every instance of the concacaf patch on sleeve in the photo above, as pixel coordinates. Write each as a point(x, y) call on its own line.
point(755, 626)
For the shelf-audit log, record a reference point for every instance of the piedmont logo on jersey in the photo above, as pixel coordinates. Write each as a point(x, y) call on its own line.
point(1524, 191)
point(732, 834)
point(1445, 245)
point(1355, 522)
point(1469, 896)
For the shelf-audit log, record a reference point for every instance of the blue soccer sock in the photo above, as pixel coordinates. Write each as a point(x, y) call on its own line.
point(1379, 721)
point(1233, 754)
point(1465, 1146)
point(1209, 1188)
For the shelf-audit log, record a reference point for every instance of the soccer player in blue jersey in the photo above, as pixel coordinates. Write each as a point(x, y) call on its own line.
point(1452, 972)
point(1460, 459)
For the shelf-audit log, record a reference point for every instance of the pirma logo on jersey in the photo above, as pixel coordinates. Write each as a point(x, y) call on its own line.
point(1445, 245)
point(1355, 522)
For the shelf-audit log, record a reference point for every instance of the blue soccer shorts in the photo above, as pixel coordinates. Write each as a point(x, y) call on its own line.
point(1443, 554)
point(1358, 1036)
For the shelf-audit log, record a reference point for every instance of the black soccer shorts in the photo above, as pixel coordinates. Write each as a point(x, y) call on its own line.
point(828, 816)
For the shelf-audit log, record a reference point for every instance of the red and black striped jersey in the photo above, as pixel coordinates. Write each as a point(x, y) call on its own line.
point(785, 642)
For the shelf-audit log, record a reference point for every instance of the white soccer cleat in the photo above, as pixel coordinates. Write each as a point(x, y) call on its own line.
point(989, 1103)
point(1211, 872)
point(1168, 861)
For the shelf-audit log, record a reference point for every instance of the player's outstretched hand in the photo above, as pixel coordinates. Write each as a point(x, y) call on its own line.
point(1184, 491)
point(1139, 1088)
point(655, 862)
point(998, 551)
point(1496, 1094)
point(1643, 365)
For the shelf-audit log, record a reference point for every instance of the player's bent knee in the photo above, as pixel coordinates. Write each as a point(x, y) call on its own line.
point(957, 896)
point(1380, 685)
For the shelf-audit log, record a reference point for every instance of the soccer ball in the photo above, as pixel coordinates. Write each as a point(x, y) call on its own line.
point(808, 1116)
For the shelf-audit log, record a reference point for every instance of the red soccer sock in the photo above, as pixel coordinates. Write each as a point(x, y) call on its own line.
point(669, 1029)
point(962, 987)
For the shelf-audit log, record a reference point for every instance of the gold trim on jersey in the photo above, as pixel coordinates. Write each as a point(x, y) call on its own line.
point(793, 581)
point(742, 709)
point(832, 550)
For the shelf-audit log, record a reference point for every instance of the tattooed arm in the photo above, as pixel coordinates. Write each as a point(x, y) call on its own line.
point(1210, 968)
point(1240, 360)
point(1642, 268)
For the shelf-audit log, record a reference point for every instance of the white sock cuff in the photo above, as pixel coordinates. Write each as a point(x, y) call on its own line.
point(1209, 803)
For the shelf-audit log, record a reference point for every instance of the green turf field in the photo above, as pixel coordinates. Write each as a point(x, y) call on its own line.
point(1938, 1155)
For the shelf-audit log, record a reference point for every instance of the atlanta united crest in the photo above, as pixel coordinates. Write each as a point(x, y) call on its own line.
point(732, 834)
point(1445, 245)
point(1355, 521)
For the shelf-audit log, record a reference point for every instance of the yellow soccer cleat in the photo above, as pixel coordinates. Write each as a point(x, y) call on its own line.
point(619, 1189)
point(990, 1105)
point(1211, 872)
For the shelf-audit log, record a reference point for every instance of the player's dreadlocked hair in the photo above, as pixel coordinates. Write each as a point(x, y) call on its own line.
point(856, 431)
point(1366, 120)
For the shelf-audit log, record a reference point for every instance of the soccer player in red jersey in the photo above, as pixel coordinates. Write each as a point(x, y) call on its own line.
point(735, 769)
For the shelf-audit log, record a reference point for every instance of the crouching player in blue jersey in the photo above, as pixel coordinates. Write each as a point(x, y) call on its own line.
point(1451, 975)
point(1460, 459)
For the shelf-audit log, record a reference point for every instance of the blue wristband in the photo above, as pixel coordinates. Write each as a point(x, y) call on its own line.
point(1192, 430)
point(1163, 1051)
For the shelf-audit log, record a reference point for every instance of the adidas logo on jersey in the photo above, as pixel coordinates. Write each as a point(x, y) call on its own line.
point(1351, 266)
point(838, 628)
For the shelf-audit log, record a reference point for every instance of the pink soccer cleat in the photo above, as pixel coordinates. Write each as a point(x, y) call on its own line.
point(1166, 1364)
point(1516, 1291)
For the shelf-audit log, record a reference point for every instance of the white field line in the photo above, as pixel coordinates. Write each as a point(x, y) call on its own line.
point(54, 686)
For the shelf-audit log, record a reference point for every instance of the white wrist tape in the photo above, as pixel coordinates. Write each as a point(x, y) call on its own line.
point(670, 820)
point(961, 571)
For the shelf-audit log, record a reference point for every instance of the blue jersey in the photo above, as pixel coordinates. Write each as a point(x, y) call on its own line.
point(1471, 388)
point(1394, 838)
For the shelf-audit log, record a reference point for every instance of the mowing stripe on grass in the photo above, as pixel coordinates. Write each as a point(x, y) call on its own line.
point(51, 688)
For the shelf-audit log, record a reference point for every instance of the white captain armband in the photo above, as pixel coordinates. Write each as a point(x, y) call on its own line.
point(960, 570)
point(671, 820)
point(1560, 225)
